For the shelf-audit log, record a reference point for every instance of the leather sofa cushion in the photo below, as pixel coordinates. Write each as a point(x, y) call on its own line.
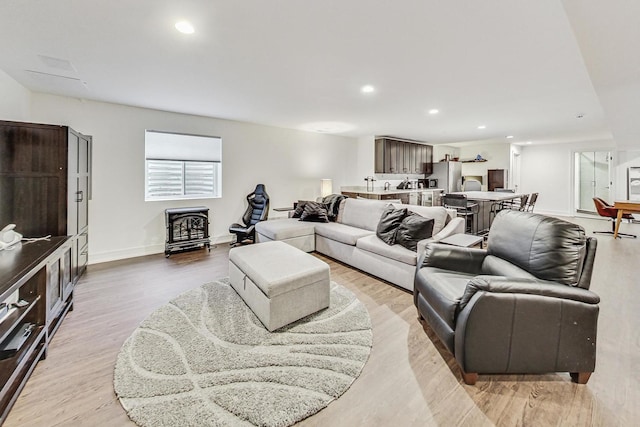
point(340, 232)
point(492, 265)
point(399, 253)
point(549, 248)
point(444, 291)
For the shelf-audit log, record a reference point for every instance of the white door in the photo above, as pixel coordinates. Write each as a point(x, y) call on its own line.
point(515, 171)
point(593, 179)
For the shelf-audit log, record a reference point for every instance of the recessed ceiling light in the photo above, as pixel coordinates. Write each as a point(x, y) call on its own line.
point(482, 127)
point(434, 111)
point(185, 27)
point(327, 127)
point(509, 136)
point(367, 89)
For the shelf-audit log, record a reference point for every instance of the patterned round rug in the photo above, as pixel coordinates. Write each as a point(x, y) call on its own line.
point(205, 359)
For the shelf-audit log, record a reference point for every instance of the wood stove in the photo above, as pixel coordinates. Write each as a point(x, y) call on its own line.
point(187, 228)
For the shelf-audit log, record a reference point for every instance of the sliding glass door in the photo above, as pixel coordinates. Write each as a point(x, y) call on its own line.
point(592, 179)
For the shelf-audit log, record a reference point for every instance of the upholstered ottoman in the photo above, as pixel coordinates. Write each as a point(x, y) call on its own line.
point(280, 283)
point(297, 233)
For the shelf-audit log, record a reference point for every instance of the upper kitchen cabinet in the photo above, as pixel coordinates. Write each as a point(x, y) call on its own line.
point(398, 156)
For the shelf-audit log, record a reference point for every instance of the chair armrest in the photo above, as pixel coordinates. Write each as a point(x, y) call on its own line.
point(507, 285)
point(511, 325)
point(455, 226)
point(454, 258)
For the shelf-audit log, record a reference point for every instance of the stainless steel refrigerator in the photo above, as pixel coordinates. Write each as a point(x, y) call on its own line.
point(449, 176)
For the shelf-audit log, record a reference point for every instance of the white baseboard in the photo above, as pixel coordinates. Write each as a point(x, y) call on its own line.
point(100, 257)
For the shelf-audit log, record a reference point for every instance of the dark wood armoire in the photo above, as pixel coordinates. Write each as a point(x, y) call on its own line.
point(45, 181)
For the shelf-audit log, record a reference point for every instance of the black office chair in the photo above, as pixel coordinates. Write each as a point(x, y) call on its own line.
point(463, 209)
point(258, 210)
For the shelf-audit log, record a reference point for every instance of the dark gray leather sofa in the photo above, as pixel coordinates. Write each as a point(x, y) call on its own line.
point(522, 305)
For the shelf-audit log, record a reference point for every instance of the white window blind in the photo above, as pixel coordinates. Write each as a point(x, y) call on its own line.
point(180, 166)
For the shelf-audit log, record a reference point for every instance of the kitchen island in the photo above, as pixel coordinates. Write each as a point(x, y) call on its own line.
point(415, 196)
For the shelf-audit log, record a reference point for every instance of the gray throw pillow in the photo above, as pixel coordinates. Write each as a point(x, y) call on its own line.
point(314, 212)
point(297, 212)
point(389, 222)
point(412, 229)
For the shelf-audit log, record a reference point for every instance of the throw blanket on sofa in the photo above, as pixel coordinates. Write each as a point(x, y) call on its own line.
point(332, 203)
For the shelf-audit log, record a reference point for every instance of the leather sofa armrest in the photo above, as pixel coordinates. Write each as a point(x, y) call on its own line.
point(454, 258)
point(511, 325)
point(506, 285)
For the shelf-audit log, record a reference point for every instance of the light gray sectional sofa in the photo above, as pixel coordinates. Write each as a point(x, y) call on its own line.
point(352, 238)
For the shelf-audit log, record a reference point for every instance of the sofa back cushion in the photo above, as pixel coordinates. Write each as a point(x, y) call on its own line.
point(362, 213)
point(547, 247)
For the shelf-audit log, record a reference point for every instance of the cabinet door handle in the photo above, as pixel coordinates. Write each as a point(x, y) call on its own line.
point(79, 196)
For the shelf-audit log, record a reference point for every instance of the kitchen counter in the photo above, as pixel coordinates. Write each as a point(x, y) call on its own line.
point(380, 191)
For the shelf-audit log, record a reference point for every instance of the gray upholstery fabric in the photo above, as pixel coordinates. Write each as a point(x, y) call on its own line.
point(399, 253)
point(284, 228)
point(280, 283)
point(363, 214)
point(341, 233)
point(277, 268)
point(497, 310)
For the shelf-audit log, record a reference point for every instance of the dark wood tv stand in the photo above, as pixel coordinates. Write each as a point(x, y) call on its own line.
point(40, 274)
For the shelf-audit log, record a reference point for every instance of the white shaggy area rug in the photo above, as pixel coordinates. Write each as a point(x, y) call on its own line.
point(205, 359)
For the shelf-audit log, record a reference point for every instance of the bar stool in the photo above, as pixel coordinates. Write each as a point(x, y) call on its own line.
point(464, 209)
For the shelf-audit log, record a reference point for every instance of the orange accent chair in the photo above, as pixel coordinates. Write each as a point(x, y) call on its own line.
point(606, 210)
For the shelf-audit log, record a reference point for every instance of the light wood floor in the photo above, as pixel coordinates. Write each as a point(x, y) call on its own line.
point(409, 380)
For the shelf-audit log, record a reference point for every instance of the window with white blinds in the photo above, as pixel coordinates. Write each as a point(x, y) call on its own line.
point(181, 166)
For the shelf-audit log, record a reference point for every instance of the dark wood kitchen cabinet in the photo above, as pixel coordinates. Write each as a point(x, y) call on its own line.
point(45, 182)
point(397, 156)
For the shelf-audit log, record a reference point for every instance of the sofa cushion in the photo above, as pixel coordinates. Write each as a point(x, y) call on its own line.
point(363, 214)
point(549, 248)
point(284, 228)
point(399, 253)
point(341, 233)
point(438, 213)
point(412, 229)
point(445, 291)
point(389, 222)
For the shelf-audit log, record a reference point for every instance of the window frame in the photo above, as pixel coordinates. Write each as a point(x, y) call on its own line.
point(192, 156)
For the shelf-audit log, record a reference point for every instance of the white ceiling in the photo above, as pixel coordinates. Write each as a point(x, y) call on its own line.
point(514, 66)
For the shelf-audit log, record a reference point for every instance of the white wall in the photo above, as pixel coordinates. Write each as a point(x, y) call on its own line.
point(15, 100)
point(549, 170)
point(624, 160)
point(290, 163)
point(498, 156)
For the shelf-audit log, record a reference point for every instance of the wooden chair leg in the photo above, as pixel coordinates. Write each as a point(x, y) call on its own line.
point(469, 378)
point(580, 377)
